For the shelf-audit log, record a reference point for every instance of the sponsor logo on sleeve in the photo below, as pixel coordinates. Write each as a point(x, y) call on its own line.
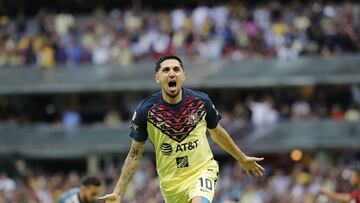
point(134, 126)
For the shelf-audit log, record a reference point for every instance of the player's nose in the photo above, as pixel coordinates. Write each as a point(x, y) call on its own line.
point(172, 73)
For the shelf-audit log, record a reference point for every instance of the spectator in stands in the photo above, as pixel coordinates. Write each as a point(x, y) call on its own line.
point(336, 112)
point(279, 182)
point(252, 194)
point(263, 112)
point(71, 119)
point(352, 114)
point(284, 112)
point(7, 186)
point(112, 119)
point(300, 110)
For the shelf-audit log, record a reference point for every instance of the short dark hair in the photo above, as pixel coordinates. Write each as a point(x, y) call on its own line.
point(90, 180)
point(166, 57)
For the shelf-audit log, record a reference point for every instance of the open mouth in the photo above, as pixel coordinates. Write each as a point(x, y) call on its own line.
point(172, 84)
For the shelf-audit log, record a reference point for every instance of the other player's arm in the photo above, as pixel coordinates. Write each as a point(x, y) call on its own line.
point(341, 197)
point(131, 164)
point(223, 139)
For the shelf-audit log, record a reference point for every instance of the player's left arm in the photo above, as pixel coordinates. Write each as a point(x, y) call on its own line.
point(220, 136)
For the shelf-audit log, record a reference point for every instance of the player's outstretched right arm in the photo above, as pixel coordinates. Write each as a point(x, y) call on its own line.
point(131, 164)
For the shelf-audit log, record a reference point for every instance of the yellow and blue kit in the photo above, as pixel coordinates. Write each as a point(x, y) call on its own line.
point(184, 160)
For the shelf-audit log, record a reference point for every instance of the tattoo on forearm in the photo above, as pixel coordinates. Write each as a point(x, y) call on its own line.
point(134, 153)
point(131, 164)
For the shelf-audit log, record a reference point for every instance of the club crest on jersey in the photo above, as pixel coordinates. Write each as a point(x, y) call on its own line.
point(193, 119)
point(177, 124)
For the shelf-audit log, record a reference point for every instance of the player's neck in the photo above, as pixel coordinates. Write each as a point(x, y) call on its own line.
point(172, 100)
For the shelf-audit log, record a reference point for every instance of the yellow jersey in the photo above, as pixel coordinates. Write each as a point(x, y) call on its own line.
point(178, 134)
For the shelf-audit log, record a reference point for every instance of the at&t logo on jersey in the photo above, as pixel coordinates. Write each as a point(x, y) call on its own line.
point(166, 149)
point(187, 146)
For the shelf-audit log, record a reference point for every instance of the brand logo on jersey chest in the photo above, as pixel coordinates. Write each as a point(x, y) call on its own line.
point(166, 149)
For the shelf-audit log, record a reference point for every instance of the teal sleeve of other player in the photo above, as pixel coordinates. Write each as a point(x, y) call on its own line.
point(69, 195)
point(204, 200)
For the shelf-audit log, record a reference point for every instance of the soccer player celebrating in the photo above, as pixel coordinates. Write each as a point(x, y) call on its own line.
point(175, 120)
point(353, 197)
point(88, 192)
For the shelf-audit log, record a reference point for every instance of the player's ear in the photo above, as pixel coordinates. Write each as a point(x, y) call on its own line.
point(157, 78)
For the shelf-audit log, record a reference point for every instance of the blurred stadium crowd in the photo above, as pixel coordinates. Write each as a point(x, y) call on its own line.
point(226, 31)
point(229, 31)
point(257, 108)
point(295, 183)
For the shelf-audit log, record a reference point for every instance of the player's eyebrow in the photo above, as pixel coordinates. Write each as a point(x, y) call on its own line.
point(176, 68)
point(168, 67)
point(165, 68)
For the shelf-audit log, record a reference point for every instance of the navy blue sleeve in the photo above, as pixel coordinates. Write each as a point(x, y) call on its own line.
point(138, 124)
point(212, 115)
